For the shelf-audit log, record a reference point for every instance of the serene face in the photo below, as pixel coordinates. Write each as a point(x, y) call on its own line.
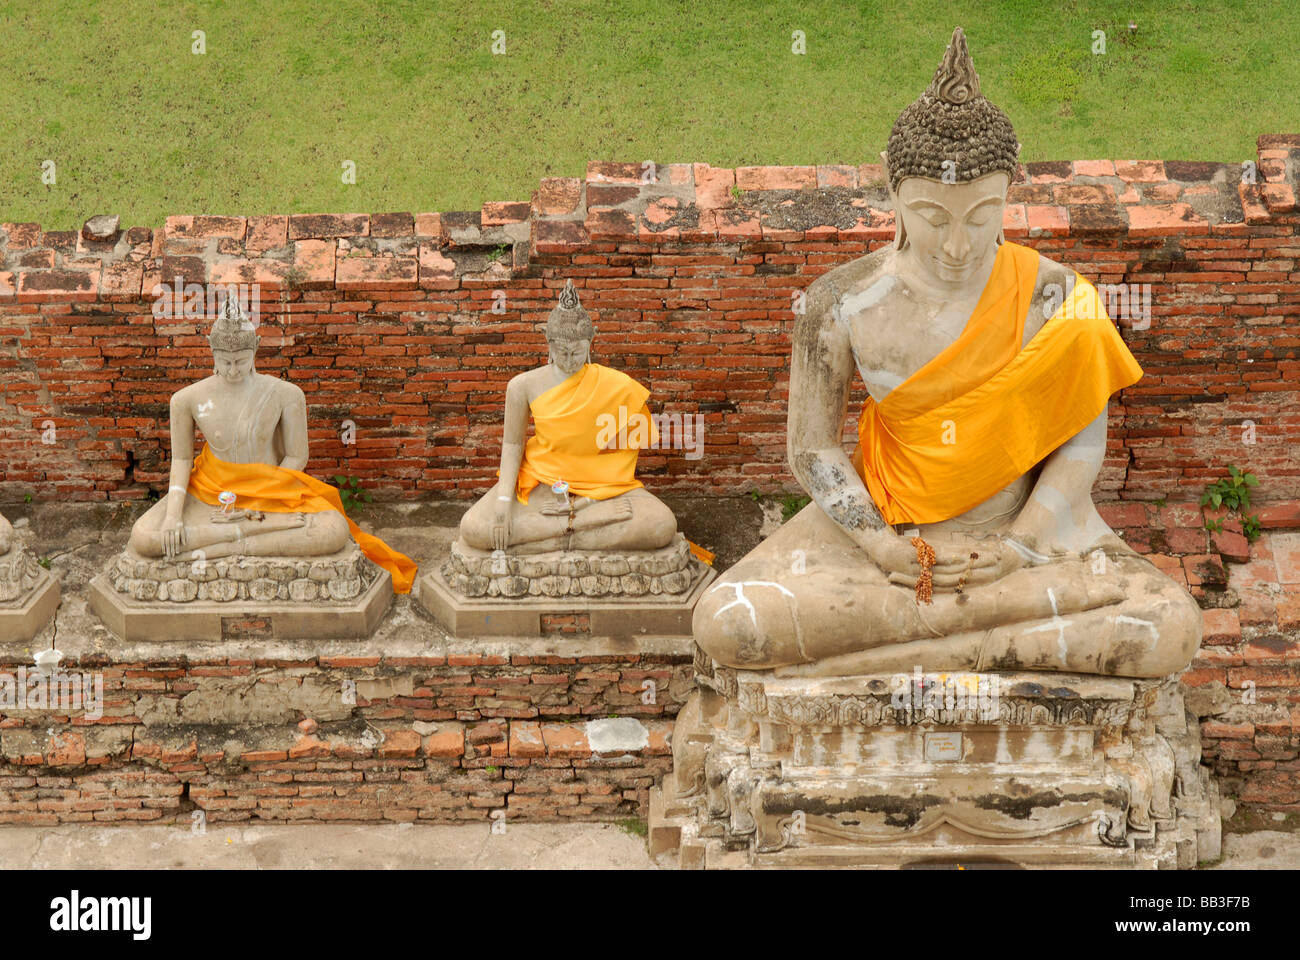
point(569, 355)
point(952, 227)
point(233, 366)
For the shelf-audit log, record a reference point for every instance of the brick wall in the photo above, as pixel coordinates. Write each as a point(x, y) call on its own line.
point(436, 739)
point(386, 320)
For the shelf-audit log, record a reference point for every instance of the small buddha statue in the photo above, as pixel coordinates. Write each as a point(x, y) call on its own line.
point(989, 368)
point(572, 485)
point(245, 493)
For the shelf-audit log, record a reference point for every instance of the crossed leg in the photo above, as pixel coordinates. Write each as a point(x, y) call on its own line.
point(274, 534)
point(808, 602)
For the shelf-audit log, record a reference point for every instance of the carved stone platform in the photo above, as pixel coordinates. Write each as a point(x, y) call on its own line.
point(476, 594)
point(342, 595)
point(29, 595)
point(1016, 769)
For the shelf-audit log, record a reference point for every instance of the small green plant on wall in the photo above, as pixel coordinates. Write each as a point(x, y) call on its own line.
point(1233, 492)
point(351, 492)
point(791, 503)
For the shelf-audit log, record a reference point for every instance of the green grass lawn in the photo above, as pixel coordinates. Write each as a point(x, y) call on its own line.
point(287, 91)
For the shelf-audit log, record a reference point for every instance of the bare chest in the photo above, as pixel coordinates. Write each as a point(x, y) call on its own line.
point(240, 426)
point(897, 336)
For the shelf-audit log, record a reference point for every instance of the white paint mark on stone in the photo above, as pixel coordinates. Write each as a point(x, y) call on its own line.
point(617, 735)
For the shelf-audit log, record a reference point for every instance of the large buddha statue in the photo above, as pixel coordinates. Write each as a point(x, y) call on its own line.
point(989, 368)
point(241, 523)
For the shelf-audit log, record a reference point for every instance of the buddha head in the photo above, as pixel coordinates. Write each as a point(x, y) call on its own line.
point(569, 332)
point(234, 342)
point(951, 156)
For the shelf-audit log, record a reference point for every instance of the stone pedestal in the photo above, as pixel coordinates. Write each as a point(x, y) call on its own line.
point(28, 596)
point(1013, 769)
point(610, 593)
point(340, 596)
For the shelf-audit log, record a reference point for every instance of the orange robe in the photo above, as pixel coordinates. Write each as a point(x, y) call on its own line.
point(587, 431)
point(984, 411)
point(596, 403)
point(259, 486)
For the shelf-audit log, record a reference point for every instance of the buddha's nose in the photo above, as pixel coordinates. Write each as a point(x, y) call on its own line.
point(957, 245)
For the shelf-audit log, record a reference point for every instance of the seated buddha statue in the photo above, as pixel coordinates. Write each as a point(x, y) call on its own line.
point(572, 485)
point(245, 493)
point(989, 368)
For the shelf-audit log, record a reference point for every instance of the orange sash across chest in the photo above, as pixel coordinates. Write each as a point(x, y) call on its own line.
point(260, 486)
point(570, 419)
point(985, 411)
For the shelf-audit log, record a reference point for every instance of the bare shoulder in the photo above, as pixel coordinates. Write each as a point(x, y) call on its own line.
point(525, 385)
point(289, 394)
point(183, 399)
point(839, 297)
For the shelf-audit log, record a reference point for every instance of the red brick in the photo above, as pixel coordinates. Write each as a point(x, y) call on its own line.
point(1094, 168)
point(1270, 648)
point(1123, 514)
point(1227, 731)
point(428, 225)
point(1221, 626)
point(557, 196)
point(776, 178)
point(206, 227)
point(314, 262)
point(44, 285)
point(1280, 516)
point(263, 756)
point(308, 226)
point(526, 740)
point(485, 733)
point(1288, 611)
point(553, 236)
point(498, 213)
point(66, 750)
point(1145, 171)
point(1231, 545)
point(1047, 221)
point(837, 176)
point(565, 740)
point(1202, 569)
point(603, 171)
point(376, 273)
point(1167, 219)
point(400, 743)
point(445, 743)
point(392, 225)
